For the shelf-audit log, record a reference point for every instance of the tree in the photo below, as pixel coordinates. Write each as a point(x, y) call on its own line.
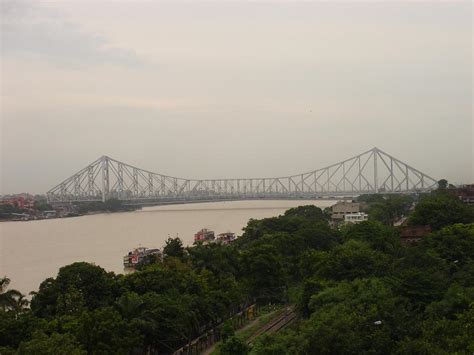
point(129, 305)
point(389, 209)
point(442, 184)
point(285, 342)
point(11, 299)
point(318, 236)
point(443, 336)
point(421, 276)
point(7, 209)
point(54, 344)
point(234, 346)
point(78, 286)
point(43, 206)
point(378, 236)
point(264, 273)
point(454, 243)
point(371, 198)
point(171, 321)
point(354, 259)
point(20, 303)
point(440, 210)
point(350, 317)
point(309, 212)
point(221, 260)
point(456, 300)
point(227, 331)
point(104, 331)
point(311, 287)
point(113, 205)
point(15, 328)
point(174, 247)
point(5, 299)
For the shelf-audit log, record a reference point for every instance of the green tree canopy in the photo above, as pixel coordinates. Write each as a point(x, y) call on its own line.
point(77, 285)
point(234, 346)
point(174, 247)
point(441, 209)
point(54, 344)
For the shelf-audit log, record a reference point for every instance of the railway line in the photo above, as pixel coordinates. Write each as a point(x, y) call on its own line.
point(280, 322)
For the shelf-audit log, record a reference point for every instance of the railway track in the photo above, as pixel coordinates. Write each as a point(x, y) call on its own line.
point(284, 319)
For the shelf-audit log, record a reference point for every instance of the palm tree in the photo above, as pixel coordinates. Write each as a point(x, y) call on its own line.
point(4, 282)
point(4, 297)
point(11, 299)
point(20, 303)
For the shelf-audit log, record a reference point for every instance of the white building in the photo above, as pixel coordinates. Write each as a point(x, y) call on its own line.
point(356, 217)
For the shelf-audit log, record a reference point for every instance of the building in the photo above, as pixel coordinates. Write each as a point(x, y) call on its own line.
point(22, 201)
point(340, 209)
point(413, 234)
point(355, 217)
point(464, 193)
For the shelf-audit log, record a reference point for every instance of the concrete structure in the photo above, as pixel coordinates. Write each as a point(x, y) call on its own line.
point(373, 171)
point(413, 234)
point(23, 201)
point(340, 209)
point(464, 193)
point(356, 217)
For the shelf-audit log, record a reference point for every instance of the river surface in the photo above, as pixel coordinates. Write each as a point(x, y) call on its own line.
point(34, 250)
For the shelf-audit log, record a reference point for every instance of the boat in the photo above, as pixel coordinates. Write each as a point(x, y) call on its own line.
point(138, 256)
point(226, 238)
point(204, 236)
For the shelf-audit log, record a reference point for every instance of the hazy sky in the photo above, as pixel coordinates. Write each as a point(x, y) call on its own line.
point(233, 89)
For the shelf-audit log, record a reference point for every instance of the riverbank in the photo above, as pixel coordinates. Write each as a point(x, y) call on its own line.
point(32, 252)
point(30, 218)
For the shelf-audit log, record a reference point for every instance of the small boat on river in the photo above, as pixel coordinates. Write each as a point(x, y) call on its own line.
point(204, 236)
point(139, 255)
point(226, 238)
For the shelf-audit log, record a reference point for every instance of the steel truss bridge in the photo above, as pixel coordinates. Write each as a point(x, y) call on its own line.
point(373, 171)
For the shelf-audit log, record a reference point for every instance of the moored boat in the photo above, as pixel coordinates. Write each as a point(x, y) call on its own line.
point(226, 238)
point(204, 236)
point(138, 256)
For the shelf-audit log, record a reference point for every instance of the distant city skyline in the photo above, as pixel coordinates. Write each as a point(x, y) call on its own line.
point(233, 89)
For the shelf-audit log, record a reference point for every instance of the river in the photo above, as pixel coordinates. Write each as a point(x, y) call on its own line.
point(34, 250)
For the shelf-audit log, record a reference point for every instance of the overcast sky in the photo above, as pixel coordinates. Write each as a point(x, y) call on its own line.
point(233, 89)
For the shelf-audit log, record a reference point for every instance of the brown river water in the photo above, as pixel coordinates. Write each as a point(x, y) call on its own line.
point(34, 250)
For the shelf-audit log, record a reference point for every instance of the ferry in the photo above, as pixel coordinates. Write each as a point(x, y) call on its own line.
point(226, 238)
point(137, 255)
point(204, 236)
point(207, 236)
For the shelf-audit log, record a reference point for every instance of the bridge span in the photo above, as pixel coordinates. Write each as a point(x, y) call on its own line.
point(373, 171)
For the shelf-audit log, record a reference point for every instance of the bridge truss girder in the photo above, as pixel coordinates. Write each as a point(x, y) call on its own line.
point(373, 171)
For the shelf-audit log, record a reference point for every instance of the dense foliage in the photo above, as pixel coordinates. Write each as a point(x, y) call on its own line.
point(372, 295)
point(441, 209)
point(357, 290)
point(387, 209)
point(111, 205)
